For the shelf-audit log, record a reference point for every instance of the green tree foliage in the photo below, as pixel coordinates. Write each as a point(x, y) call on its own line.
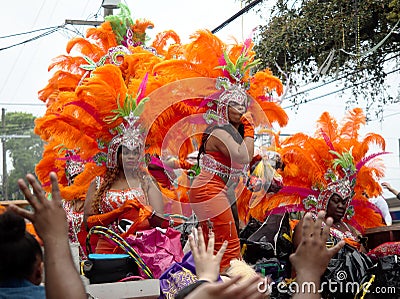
point(334, 40)
point(25, 153)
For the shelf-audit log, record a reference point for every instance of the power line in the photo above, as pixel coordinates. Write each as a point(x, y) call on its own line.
point(236, 15)
point(336, 79)
point(34, 38)
point(28, 32)
point(21, 104)
point(336, 91)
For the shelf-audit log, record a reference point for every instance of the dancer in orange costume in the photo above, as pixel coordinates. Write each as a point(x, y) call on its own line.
point(226, 148)
point(312, 163)
point(126, 198)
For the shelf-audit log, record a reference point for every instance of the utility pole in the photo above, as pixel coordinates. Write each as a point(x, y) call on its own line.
point(108, 6)
point(3, 142)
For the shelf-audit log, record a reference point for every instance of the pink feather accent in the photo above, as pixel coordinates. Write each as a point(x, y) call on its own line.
point(156, 161)
point(303, 192)
point(369, 158)
point(89, 109)
point(286, 208)
point(327, 140)
point(142, 89)
point(209, 98)
point(247, 42)
point(75, 158)
point(221, 61)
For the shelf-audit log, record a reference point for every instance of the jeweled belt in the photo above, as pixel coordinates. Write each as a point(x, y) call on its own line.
point(208, 163)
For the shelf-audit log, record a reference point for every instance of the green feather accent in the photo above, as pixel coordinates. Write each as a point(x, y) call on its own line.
point(140, 107)
point(237, 71)
point(344, 160)
point(120, 23)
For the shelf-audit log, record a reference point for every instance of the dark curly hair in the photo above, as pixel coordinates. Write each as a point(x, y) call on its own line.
point(109, 178)
point(19, 250)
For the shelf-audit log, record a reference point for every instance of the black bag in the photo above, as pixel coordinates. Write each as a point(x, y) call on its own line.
point(103, 268)
point(387, 273)
point(347, 267)
point(271, 240)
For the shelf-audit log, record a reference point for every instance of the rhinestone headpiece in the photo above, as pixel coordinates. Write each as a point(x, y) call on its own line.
point(130, 136)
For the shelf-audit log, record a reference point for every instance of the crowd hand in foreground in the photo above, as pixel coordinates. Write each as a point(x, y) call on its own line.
point(312, 256)
point(207, 268)
point(50, 222)
point(207, 264)
point(228, 290)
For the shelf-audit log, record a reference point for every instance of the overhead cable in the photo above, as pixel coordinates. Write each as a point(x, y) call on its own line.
point(339, 90)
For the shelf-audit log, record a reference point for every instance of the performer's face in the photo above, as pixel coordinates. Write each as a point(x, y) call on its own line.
point(235, 111)
point(336, 207)
point(129, 158)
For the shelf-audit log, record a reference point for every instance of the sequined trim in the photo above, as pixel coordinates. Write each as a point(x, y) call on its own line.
point(74, 225)
point(342, 235)
point(208, 163)
point(115, 198)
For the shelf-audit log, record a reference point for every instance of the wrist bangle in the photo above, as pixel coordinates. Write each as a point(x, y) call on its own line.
point(152, 214)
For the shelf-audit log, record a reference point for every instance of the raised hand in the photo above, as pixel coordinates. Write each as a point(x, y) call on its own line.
point(228, 290)
point(207, 264)
point(48, 215)
point(312, 256)
point(50, 222)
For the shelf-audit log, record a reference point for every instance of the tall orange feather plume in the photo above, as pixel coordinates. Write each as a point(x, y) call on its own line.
point(85, 47)
point(103, 35)
point(161, 40)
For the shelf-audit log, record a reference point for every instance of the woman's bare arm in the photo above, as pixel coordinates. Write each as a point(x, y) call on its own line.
point(222, 141)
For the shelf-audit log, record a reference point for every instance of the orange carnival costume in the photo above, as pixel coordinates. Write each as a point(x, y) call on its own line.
point(212, 194)
point(333, 161)
point(90, 94)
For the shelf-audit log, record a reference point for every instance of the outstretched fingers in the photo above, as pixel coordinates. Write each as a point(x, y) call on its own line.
point(335, 249)
point(318, 223)
point(193, 246)
point(326, 229)
point(32, 199)
point(55, 189)
point(201, 242)
point(211, 242)
point(307, 226)
point(221, 251)
point(22, 212)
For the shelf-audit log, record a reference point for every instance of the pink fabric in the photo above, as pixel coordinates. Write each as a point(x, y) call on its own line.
point(157, 249)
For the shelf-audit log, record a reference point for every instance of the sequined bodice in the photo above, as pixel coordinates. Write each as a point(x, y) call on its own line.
point(113, 199)
point(342, 235)
point(215, 163)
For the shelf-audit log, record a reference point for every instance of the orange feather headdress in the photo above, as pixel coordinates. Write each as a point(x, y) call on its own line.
point(334, 160)
point(86, 92)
